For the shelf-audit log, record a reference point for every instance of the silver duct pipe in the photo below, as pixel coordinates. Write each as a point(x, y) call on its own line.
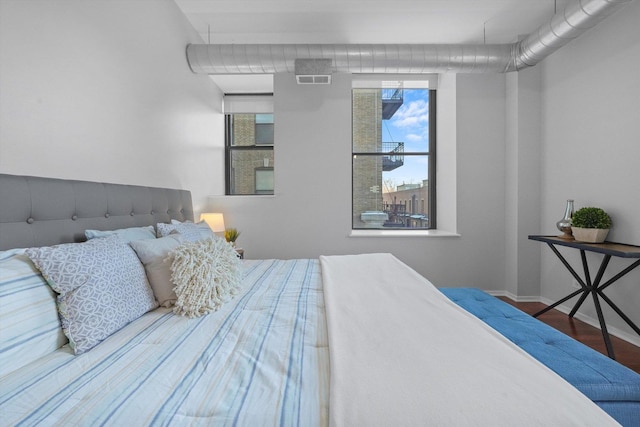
point(577, 18)
point(563, 27)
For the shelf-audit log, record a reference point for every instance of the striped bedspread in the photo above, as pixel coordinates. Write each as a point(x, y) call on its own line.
point(242, 365)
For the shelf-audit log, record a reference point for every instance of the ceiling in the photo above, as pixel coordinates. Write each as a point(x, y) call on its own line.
point(361, 22)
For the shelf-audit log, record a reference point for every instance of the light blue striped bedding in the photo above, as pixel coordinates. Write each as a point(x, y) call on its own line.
point(261, 360)
point(29, 324)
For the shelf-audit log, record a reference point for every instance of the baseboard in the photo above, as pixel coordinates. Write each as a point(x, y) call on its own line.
point(623, 335)
point(512, 296)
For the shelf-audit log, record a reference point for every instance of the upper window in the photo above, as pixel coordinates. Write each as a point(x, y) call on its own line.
point(264, 129)
point(393, 155)
point(249, 128)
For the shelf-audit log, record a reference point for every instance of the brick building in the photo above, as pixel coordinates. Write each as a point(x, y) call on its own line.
point(408, 205)
point(252, 169)
point(367, 137)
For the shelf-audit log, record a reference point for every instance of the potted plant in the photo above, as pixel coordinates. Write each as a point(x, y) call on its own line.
point(231, 235)
point(590, 225)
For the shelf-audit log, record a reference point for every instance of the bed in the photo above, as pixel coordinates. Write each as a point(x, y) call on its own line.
point(340, 340)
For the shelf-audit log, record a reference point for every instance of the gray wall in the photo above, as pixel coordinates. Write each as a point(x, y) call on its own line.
point(591, 148)
point(310, 214)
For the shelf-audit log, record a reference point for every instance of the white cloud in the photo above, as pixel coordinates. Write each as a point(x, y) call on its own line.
point(415, 113)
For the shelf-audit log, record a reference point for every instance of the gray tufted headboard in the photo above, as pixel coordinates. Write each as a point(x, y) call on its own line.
point(38, 211)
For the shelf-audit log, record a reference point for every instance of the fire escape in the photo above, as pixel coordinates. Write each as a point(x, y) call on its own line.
point(394, 158)
point(392, 99)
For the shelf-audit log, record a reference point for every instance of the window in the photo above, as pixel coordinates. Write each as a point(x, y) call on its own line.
point(264, 180)
point(249, 128)
point(264, 129)
point(393, 155)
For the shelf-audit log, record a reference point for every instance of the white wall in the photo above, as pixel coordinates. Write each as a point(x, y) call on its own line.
point(591, 148)
point(310, 214)
point(102, 91)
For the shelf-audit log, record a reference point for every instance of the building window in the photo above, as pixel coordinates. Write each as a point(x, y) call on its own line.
point(249, 128)
point(264, 129)
point(393, 155)
point(264, 180)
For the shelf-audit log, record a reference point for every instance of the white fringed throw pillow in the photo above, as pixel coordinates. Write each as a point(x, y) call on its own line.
point(206, 274)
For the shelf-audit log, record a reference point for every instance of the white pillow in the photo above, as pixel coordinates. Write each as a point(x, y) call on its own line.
point(157, 258)
point(101, 284)
point(206, 273)
point(28, 313)
point(126, 234)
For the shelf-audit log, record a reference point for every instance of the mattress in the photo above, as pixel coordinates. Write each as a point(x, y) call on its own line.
point(242, 365)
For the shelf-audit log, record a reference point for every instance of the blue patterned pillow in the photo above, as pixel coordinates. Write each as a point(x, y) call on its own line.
point(28, 316)
point(192, 232)
point(101, 284)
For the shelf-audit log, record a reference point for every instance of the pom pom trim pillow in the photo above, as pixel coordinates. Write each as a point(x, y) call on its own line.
point(101, 287)
point(207, 274)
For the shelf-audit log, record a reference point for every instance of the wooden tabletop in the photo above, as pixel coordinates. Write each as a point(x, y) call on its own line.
point(622, 250)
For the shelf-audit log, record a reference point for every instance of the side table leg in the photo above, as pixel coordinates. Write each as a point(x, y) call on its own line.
point(620, 313)
point(591, 287)
point(557, 303)
point(603, 326)
point(584, 289)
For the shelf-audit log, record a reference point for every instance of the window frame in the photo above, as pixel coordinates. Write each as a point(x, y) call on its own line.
point(431, 154)
point(230, 149)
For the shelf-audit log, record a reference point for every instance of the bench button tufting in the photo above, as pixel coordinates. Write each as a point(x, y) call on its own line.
point(29, 220)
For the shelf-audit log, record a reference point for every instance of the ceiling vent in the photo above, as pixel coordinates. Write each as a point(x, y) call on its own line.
point(313, 71)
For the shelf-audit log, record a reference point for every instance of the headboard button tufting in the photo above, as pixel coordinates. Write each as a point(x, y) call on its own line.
point(75, 217)
point(106, 215)
point(29, 220)
point(131, 214)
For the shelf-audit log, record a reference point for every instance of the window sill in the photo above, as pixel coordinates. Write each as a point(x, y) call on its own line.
point(402, 233)
point(239, 196)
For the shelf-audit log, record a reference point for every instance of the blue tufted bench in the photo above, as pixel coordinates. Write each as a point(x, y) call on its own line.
point(612, 386)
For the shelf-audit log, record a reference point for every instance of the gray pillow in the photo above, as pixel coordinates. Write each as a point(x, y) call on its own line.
point(192, 232)
point(157, 258)
point(101, 287)
point(126, 234)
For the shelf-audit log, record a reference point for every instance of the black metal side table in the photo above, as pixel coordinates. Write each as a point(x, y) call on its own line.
point(595, 288)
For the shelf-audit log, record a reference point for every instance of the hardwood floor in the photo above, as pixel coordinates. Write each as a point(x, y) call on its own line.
point(625, 352)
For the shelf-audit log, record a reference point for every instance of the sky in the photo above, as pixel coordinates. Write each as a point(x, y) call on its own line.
point(410, 124)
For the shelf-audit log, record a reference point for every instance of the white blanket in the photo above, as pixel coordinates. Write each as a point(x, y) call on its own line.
point(402, 354)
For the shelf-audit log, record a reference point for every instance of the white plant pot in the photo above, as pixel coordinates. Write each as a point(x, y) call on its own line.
point(590, 235)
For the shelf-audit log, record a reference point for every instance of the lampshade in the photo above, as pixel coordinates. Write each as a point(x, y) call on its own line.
point(215, 221)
